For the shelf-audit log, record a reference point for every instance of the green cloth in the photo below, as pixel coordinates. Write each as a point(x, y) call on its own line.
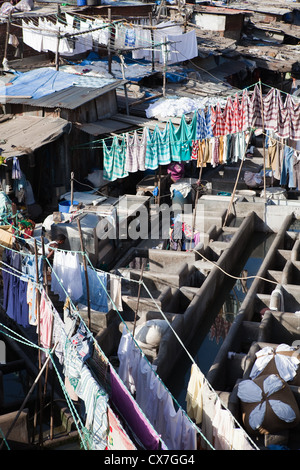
point(114, 159)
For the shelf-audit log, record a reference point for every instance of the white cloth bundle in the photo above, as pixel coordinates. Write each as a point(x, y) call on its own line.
point(286, 359)
point(150, 333)
point(268, 404)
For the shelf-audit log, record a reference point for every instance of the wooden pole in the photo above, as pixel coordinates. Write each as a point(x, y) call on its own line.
point(236, 181)
point(37, 379)
point(152, 41)
point(159, 185)
point(125, 85)
point(72, 188)
point(138, 301)
point(109, 41)
point(39, 337)
point(165, 66)
point(264, 148)
point(57, 51)
point(86, 274)
point(6, 37)
point(44, 265)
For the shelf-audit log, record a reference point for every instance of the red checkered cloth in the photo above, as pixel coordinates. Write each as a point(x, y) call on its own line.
point(218, 122)
point(283, 129)
point(270, 103)
point(228, 116)
point(237, 115)
point(255, 108)
point(245, 111)
point(294, 112)
point(195, 150)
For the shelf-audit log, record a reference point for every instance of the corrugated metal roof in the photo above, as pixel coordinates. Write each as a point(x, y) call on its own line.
point(105, 126)
point(23, 134)
point(69, 98)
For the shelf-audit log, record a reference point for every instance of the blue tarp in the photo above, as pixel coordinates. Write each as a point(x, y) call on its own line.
point(38, 83)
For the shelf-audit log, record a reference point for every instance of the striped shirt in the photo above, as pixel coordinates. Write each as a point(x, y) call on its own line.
point(135, 152)
point(114, 159)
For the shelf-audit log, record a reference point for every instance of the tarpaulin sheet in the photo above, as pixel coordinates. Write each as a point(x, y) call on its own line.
point(38, 83)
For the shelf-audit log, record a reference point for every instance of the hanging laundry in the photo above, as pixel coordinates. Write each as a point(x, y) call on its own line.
point(59, 336)
point(135, 152)
point(120, 33)
point(223, 427)
point(66, 275)
point(153, 397)
point(31, 298)
point(194, 399)
point(245, 111)
point(202, 154)
point(32, 36)
point(133, 414)
point(201, 128)
point(183, 47)
point(287, 170)
point(294, 118)
point(116, 292)
point(83, 341)
point(180, 141)
point(130, 37)
point(270, 103)
point(158, 150)
point(97, 289)
point(117, 438)
point(228, 118)
point(296, 169)
point(114, 159)
point(218, 123)
point(101, 35)
point(144, 43)
point(46, 319)
point(14, 288)
point(16, 173)
point(95, 401)
point(208, 120)
point(256, 108)
point(195, 150)
point(161, 32)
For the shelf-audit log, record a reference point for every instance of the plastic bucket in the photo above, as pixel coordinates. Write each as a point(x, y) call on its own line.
point(179, 199)
point(64, 206)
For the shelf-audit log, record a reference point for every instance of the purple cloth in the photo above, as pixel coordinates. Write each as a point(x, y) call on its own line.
point(176, 170)
point(129, 409)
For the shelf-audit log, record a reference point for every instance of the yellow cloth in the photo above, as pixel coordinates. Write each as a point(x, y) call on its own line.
point(194, 396)
point(6, 237)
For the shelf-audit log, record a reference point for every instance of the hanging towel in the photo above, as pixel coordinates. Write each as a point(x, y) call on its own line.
point(180, 143)
point(135, 151)
point(183, 47)
point(97, 289)
point(194, 398)
point(114, 159)
point(46, 318)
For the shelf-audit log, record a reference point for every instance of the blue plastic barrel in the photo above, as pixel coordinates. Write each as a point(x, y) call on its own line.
point(179, 199)
point(64, 206)
point(81, 3)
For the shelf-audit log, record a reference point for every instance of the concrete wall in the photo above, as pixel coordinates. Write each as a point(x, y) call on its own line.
point(233, 341)
point(200, 309)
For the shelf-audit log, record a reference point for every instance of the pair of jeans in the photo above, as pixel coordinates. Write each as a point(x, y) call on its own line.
point(287, 169)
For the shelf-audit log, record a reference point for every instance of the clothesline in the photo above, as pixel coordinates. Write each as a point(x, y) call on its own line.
point(117, 309)
point(79, 316)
